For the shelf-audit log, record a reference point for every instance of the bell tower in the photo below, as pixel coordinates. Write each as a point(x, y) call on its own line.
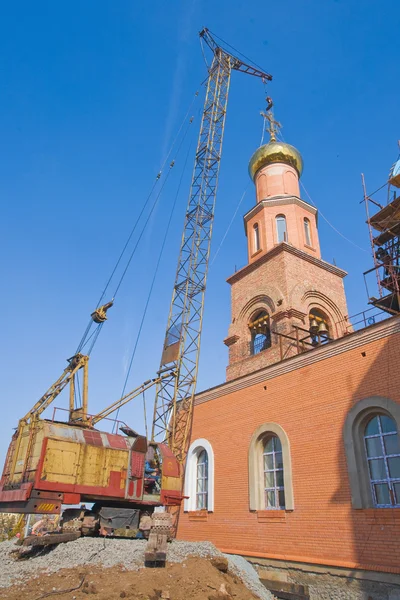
point(287, 299)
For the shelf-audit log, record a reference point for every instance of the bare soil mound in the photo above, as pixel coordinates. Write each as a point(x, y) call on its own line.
point(195, 579)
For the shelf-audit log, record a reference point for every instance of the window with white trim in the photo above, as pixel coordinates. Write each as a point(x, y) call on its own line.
point(274, 491)
point(256, 234)
point(202, 480)
point(270, 469)
point(307, 231)
point(382, 448)
point(371, 443)
point(199, 476)
point(281, 233)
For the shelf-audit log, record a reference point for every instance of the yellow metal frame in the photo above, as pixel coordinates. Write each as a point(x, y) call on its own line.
point(31, 418)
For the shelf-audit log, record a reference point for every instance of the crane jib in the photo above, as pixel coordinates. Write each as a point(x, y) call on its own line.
point(174, 395)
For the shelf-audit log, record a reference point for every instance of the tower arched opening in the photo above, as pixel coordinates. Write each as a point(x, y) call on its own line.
point(260, 332)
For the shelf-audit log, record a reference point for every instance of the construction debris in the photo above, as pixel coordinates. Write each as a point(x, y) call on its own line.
point(100, 567)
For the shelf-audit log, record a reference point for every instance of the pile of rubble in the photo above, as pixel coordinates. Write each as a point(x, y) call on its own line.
point(113, 568)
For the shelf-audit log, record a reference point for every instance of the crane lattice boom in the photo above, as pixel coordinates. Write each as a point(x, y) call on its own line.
point(174, 396)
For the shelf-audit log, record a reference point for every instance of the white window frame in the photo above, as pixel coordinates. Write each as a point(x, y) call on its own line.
point(354, 445)
point(307, 231)
point(256, 237)
point(383, 456)
point(281, 217)
point(191, 475)
point(256, 470)
point(273, 470)
point(202, 477)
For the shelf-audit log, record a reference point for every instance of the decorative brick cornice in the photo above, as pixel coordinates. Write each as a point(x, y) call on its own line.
point(278, 201)
point(284, 247)
point(293, 313)
point(288, 314)
point(390, 326)
point(278, 316)
point(231, 340)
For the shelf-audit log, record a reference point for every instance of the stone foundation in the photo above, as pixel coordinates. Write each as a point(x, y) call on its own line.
point(328, 583)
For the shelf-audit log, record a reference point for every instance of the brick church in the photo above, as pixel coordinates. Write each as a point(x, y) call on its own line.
point(295, 459)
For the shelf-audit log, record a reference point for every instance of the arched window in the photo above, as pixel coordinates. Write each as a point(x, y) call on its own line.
point(256, 237)
point(199, 477)
point(202, 480)
point(270, 469)
point(273, 474)
point(307, 231)
point(260, 332)
point(383, 457)
point(371, 442)
point(281, 234)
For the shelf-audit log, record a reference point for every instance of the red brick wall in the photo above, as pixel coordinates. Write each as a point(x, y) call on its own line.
point(311, 404)
point(287, 284)
point(294, 214)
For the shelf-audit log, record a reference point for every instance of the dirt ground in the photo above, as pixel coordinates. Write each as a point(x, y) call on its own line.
point(194, 579)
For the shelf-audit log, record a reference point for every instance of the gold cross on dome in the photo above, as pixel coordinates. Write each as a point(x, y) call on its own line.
point(272, 125)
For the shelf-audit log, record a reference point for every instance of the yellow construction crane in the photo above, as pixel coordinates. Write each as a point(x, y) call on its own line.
point(174, 398)
point(50, 463)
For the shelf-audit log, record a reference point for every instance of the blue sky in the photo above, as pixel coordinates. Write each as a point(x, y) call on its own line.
point(92, 96)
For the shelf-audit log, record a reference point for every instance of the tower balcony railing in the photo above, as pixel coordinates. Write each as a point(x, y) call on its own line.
point(360, 320)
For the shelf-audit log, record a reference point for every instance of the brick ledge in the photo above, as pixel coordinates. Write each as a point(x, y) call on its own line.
point(284, 247)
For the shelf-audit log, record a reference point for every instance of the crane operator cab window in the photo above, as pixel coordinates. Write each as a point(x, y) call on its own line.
point(152, 471)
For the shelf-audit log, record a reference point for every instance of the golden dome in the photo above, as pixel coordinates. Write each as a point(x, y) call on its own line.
point(275, 152)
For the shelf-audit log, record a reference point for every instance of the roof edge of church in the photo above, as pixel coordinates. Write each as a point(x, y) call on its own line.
point(352, 340)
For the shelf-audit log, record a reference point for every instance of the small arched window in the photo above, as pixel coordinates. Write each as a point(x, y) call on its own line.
point(383, 457)
point(199, 477)
point(273, 474)
point(202, 481)
point(281, 233)
point(260, 332)
point(307, 231)
point(270, 469)
point(256, 237)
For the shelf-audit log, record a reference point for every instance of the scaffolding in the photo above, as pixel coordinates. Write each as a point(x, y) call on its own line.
point(384, 233)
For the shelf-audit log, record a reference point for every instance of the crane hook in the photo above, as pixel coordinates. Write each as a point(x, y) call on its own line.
point(270, 103)
point(100, 314)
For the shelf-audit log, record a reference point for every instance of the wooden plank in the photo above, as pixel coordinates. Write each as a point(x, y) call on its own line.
point(47, 540)
point(285, 590)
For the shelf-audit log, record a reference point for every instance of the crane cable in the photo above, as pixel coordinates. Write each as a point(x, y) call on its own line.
point(329, 223)
point(78, 397)
point(96, 332)
point(151, 211)
point(148, 197)
point(155, 202)
point(263, 131)
point(238, 205)
point(145, 416)
point(155, 274)
point(237, 51)
point(230, 224)
point(84, 339)
point(204, 56)
point(323, 216)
